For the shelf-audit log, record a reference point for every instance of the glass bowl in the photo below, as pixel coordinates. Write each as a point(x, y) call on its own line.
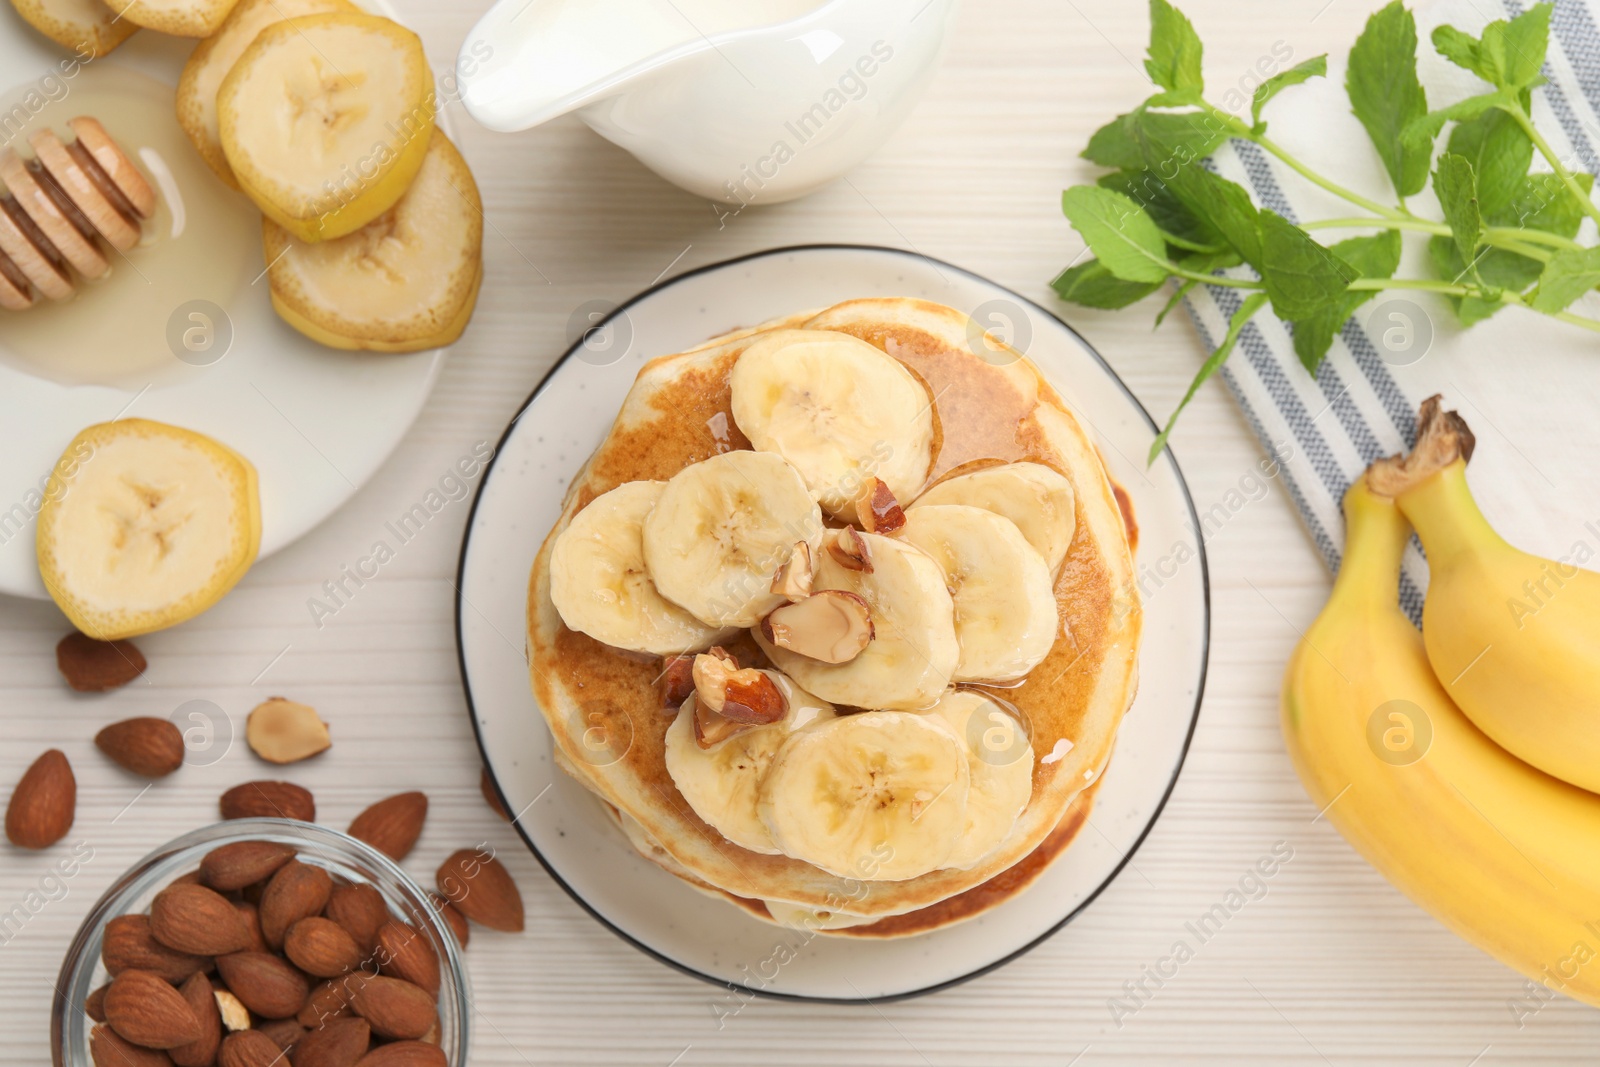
point(339, 854)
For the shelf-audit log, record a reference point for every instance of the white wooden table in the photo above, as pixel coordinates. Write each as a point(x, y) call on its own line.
point(1330, 965)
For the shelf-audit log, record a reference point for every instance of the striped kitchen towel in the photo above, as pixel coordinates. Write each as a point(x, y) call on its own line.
point(1362, 403)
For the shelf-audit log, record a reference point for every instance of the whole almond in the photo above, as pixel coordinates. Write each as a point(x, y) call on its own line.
point(91, 666)
point(330, 999)
point(453, 918)
point(360, 909)
point(298, 891)
point(394, 1007)
point(197, 920)
point(236, 865)
point(106, 1049)
point(94, 1005)
point(249, 1048)
point(338, 1043)
point(393, 824)
point(128, 944)
point(480, 886)
point(282, 731)
point(403, 951)
point(146, 746)
point(490, 796)
point(268, 800)
point(321, 947)
point(44, 803)
point(264, 983)
point(252, 922)
point(285, 1033)
point(202, 1000)
point(141, 1007)
point(405, 1054)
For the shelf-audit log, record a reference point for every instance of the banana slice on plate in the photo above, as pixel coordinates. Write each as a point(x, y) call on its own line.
point(145, 525)
point(722, 529)
point(325, 120)
point(600, 585)
point(405, 282)
point(837, 408)
point(722, 783)
point(1000, 764)
point(913, 652)
point(1005, 605)
point(179, 18)
point(876, 796)
point(1040, 501)
point(88, 27)
point(215, 56)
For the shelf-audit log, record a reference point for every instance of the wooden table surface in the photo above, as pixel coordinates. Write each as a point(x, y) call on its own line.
point(1329, 965)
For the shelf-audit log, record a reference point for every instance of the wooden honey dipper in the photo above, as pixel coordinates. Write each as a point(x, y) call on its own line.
point(57, 205)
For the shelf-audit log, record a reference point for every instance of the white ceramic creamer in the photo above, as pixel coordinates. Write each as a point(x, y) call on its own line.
point(742, 101)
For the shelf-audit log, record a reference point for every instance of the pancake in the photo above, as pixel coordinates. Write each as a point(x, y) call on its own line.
point(991, 407)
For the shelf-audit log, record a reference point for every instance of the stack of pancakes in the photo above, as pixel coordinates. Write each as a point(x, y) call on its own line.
point(991, 406)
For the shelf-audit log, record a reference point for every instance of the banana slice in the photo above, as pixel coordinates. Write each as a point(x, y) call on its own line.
point(837, 408)
point(1005, 605)
point(180, 18)
point(88, 27)
point(145, 525)
point(722, 529)
point(600, 586)
point(913, 651)
point(213, 57)
point(877, 796)
point(325, 120)
point(405, 282)
point(721, 783)
point(801, 917)
point(1000, 763)
point(1037, 499)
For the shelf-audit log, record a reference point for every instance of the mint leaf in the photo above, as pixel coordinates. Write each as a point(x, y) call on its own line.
point(1457, 189)
point(1465, 51)
point(1175, 51)
point(1301, 276)
point(1526, 39)
point(1387, 97)
point(1425, 129)
point(1179, 225)
point(1170, 138)
point(1495, 267)
point(1118, 232)
point(1377, 256)
point(1300, 72)
point(1566, 277)
point(1543, 202)
point(1252, 305)
point(1499, 151)
point(1225, 204)
point(1091, 285)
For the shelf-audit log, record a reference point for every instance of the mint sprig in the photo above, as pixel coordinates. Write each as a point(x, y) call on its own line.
point(1507, 237)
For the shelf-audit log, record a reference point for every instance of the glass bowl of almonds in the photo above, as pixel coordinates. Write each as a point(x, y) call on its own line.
point(246, 941)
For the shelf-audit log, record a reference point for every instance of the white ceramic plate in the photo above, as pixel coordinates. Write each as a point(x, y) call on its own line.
point(316, 422)
point(520, 499)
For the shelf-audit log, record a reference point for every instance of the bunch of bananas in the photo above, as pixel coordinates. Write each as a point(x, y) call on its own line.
point(1460, 761)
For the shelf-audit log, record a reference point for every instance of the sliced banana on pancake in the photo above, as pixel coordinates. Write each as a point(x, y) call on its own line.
point(1037, 499)
point(801, 917)
point(913, 652)
point(600, 585)
point(876, 796)
point(837, 408)
point(1005, 606)
point(722, 783)
point(721, 530)
point(1000, 764)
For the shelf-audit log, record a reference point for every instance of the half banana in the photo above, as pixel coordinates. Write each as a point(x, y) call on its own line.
point(145, 525)
point(913, 652)
point(405, 282)
point(1005, 604)
point(325, 120)
point(837, 408)
point(1000, 762)
point(877, 796)
point(600, 585)
point(1034, 497)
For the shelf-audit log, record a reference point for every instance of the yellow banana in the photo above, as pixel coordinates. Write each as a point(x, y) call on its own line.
point(1501, 853)
point(1515, 638)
